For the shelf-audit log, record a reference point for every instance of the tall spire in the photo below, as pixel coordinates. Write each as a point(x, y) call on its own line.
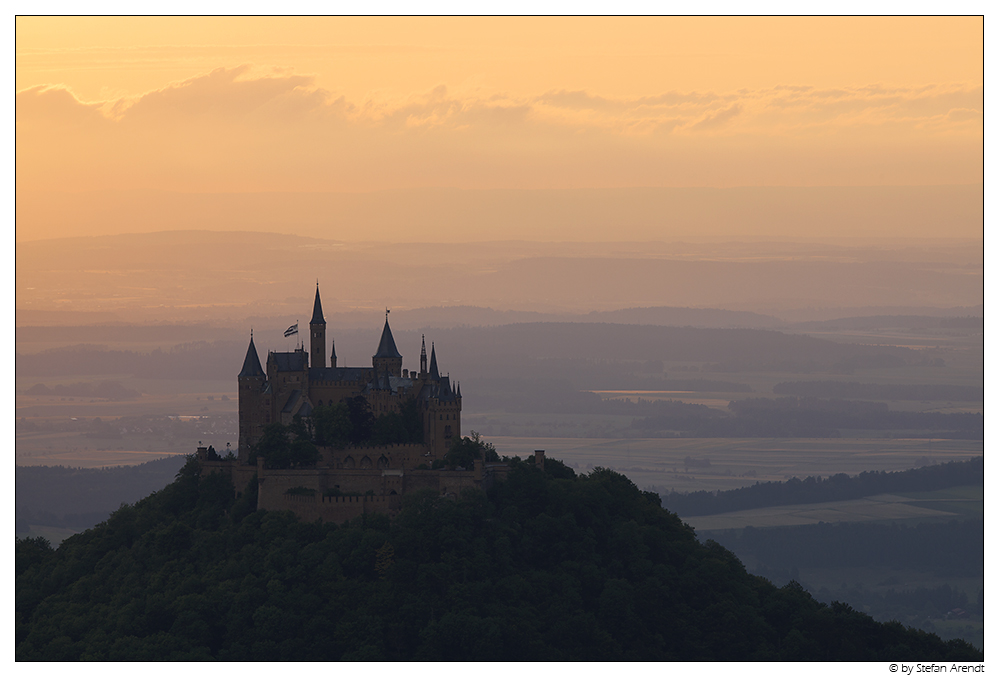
point(332, 353)
point(423, 355)
point(434, 373)
point(317, 309)
point(251, 363)
point(317, 332)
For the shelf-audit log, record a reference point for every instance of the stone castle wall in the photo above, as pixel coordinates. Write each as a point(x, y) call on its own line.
point(336, 508)
point(380, 490)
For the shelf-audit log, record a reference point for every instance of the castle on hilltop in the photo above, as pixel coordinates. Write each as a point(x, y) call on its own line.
point(347, 480)
point(294, 385)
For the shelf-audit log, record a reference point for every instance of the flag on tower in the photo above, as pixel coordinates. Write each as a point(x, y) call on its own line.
point(292, 330)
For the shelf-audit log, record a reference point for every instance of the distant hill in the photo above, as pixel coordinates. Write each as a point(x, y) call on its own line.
point(204, 276)
point(79, 498)
point(687, 317)
point(894, 322)
point(502, 348)
point(473, 316)
point(834, 488)
point(881, 391)
point(547, 566)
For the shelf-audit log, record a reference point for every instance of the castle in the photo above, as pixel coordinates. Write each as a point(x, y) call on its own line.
point(347, 481)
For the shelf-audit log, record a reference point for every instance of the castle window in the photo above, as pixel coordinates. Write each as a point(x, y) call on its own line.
point(447, 432)
point(442, 417)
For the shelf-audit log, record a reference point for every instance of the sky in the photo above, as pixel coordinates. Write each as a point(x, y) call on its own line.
point(361, 105)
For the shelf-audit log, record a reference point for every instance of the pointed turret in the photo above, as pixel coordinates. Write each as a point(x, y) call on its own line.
point(387, 358)
point(423, 355)
point(252, 383)
point(317, 330)
point(386, 347)
point(434, 373)
point(251, 363)
point(332, 353)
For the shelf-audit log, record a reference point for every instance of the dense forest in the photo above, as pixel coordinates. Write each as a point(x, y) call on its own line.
point(839, 487)
point(546, 566)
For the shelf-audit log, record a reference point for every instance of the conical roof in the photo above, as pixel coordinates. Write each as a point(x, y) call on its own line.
point(434, 373)
point(317, 310)
point(251, 364)
point(386, 347)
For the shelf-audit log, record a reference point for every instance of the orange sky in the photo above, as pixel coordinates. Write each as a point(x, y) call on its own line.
point(364, 104)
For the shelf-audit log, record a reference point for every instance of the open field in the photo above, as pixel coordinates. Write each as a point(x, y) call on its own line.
point(58, 430)
point(871, 508)
point(720, 400)
point(728, 463)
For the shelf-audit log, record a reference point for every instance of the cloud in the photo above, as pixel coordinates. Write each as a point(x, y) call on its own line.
point(963, 114)
point(245, 129)
point(54, 106)
point(717, 118)
point(240, 95)
point(224, 93)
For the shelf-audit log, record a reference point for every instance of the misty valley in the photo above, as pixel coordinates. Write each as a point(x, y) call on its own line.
point(834, 450)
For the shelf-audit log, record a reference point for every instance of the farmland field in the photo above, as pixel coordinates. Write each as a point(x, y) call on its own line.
point(695, 464)
point(871, 508)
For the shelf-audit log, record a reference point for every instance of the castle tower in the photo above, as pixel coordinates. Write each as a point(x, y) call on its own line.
point(423, 357)
point(387, 359)
point(251, 381)
point(317, 329)
point(442, 425)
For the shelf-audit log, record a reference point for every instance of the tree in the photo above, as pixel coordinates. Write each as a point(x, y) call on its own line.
point(465, 450)
point(280, 450)
point(332, 425)
point(384, 558)
point(361, 419)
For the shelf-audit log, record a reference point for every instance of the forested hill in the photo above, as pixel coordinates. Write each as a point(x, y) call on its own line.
point(548, 566)
point(839, 487)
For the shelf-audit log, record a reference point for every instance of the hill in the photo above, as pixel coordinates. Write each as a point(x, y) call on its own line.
point(838, 487)
point(509, 350)
point(79, 498)
point(548, 566)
